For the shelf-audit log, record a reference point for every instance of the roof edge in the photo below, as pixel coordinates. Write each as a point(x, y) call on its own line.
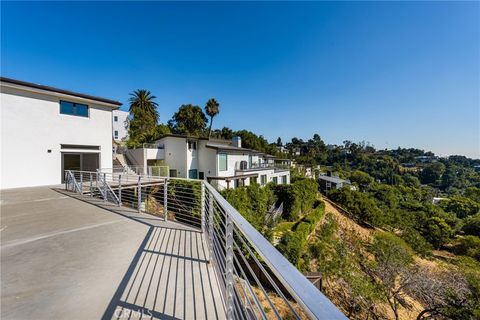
point(57, 90)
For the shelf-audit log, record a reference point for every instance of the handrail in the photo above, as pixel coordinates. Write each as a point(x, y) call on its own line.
point(312, 300)
point(235, 245)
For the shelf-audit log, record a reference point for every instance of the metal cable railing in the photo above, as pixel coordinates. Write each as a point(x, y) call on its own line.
point(256, 281)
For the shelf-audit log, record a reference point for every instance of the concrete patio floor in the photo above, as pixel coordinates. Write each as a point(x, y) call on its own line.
point(69, 256)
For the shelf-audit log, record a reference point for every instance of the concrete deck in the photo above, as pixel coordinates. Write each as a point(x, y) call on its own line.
point(64, 257)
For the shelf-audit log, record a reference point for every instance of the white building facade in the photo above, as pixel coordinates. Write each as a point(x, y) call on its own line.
point(46, 130)
point(120, 125)
point(225, 164)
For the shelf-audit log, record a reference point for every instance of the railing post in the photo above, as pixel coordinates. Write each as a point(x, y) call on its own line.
point(165, 199)
point(229, 267)
point(91, 185)
point(119, 189)
point(139, 194)
point(104, 187)
point(210, 225)
point(202, 204)
point(66, 179)
point(81, 183)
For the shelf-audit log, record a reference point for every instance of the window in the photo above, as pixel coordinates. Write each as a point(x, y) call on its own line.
point(192, 145)
point(115, 118)
point(222, 162)
point(253, 180)
point(172, 173)
point(79, 146)
point(284, 179)
point(263, 179)
point(201, 175)
point(275, 180)
point(74, 109)
point(115, 133)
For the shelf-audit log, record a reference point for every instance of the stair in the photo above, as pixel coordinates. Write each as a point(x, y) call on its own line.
point(119, 160)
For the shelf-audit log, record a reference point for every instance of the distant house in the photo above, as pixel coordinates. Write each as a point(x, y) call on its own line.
point(282, 149)
point(119, 125)
point(224, 163)
point(327, 183)
point(426, 159)
point(306, 170)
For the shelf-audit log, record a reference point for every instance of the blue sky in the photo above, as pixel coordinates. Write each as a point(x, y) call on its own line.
point(394, 74)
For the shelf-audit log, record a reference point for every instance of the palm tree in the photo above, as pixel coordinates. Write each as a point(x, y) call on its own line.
point(212, 109)
point(141, 100)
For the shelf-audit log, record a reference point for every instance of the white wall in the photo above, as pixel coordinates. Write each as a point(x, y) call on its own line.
point(31, 124)
point(121, 125)
point(207, 160)
point(175, 154)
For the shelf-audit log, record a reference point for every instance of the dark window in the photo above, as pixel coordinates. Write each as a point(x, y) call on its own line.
point(201, 175)
point(263, 179)
point(192, 145)
point(74, 109)
point(78, 146)
point(222, 162)
point(115, 118)
point(116, 134)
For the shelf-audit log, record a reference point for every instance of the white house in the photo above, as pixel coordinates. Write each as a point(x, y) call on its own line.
point(120, 125)
point(224, 163)
point(46, 130)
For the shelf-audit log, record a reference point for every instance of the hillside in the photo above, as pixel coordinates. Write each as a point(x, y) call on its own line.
point(343, 276)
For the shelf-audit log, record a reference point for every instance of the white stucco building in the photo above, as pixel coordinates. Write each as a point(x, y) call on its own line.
point(119, 125)
point(46, 130)
point(223, 163)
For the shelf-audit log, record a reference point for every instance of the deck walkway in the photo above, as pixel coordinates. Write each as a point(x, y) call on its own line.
point(68, 255)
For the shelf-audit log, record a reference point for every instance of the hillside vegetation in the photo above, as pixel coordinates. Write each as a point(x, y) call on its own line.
point(400, 242)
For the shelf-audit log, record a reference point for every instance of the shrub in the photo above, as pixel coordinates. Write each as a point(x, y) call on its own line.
point(252, 202)
point(418, 243)
point(437, 231)
point(471, 225)
point(468, 246)
point(297, 198)
point(361, 205)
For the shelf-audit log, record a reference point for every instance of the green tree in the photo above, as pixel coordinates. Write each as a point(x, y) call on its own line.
point(189, 119)
point(212, 108)
point(471, 225)
point(468, 246)
point(432, 173)
point(144, 118)
point(361, 178)
point(142, 100)
point(462, 207)
point(437, 231)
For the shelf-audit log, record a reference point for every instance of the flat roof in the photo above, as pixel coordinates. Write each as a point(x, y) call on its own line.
point(57, 90)
point(333, 179)
point(230, 148)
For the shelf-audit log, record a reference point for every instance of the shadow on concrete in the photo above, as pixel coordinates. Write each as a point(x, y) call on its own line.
point(169, 277)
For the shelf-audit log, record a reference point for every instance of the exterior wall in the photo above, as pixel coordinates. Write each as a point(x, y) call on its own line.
point(175, 154)
point(207, 160)
point(121, 125)
point(155, 154)
point(31, 124)
point(137, 156)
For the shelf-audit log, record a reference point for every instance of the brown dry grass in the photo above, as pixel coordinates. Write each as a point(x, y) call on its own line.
point(349, 227)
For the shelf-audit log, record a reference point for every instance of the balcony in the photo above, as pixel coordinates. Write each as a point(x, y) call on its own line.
point(222, 266)
point(244, 166)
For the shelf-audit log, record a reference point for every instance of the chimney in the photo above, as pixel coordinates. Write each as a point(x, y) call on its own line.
point(237, 142)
